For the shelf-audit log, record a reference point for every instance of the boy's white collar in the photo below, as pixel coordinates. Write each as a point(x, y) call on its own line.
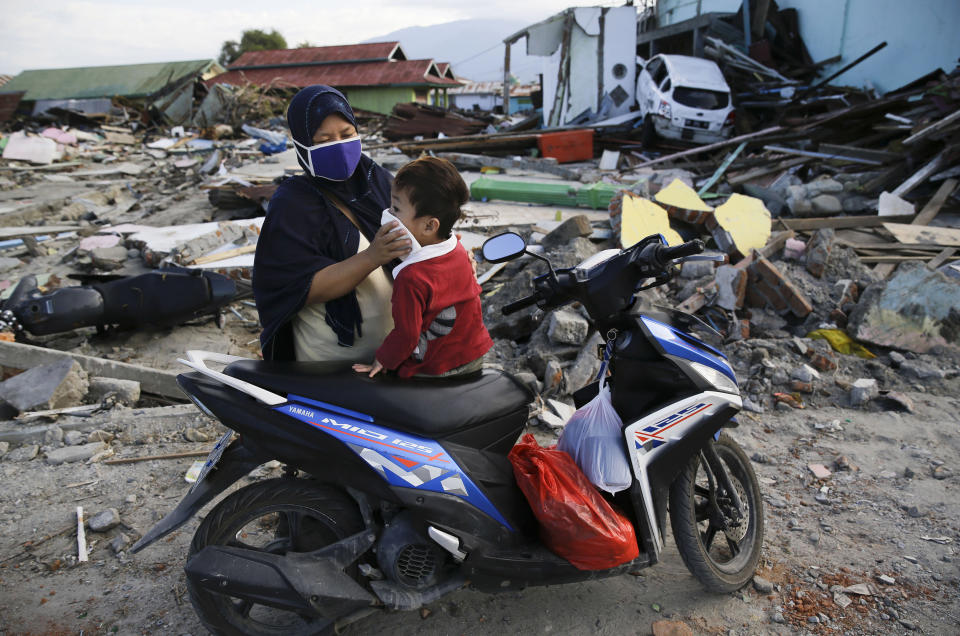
point(425, 253)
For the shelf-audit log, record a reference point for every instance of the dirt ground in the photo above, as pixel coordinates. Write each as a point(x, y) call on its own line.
point(848, 528)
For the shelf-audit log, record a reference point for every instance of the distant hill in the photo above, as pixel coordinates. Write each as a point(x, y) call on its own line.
point(465, 45)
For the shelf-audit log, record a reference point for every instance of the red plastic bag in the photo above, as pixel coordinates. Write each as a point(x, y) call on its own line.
point(576, 522)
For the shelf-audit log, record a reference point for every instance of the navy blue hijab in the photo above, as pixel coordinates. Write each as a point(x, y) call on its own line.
point(304, 231)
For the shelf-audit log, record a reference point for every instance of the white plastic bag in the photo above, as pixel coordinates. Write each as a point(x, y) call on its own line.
point(593, 437)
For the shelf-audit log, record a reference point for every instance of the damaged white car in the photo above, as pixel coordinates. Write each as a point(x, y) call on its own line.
point(684, 97)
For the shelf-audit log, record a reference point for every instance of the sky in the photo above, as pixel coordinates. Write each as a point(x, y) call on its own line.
point(63, 34)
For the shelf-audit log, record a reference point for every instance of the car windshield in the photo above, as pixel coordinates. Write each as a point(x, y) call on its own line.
point(701, 98)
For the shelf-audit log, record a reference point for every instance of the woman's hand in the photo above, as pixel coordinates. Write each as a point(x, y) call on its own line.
point(390, 243)
point(374, 368)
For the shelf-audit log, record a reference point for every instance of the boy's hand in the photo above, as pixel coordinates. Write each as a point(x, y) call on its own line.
point(390, 243)
point(374, 368)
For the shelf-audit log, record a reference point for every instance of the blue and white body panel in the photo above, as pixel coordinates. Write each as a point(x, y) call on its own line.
point(402, 459)
point(676, 343)
point(648, 436)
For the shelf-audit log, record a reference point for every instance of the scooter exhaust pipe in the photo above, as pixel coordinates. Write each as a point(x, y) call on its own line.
point(308, 582)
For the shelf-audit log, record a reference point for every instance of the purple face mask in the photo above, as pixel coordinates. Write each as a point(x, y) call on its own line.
point(334, 160)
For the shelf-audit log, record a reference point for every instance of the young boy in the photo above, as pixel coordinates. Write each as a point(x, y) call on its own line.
point(438, 324)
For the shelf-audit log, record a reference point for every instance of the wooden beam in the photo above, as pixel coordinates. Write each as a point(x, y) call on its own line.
point(933, 206)
point(942, 258)
point(146, 458)
point(716, 146)
point(927, 234)
point(750, 175)
point(840, 222)
point(932, 128)
point(920, 175)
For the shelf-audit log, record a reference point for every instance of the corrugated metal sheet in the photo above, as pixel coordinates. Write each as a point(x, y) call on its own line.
point(129, 80)
point(319, 54)
point(410, 72)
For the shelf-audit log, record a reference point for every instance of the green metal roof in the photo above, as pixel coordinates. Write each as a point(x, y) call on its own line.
point(128, 80)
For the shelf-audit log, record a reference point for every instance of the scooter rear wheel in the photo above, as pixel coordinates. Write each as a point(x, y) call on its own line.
point(722, 559)
point(276, 516)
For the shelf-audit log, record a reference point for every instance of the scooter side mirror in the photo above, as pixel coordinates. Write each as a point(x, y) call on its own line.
point(503, 247)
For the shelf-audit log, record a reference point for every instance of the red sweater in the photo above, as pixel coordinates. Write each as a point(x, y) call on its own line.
point(424, 341)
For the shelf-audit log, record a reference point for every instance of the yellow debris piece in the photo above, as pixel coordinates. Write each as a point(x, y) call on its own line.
point(746, 220)
point(680, 195)
point(841, 342)
point(640, 218)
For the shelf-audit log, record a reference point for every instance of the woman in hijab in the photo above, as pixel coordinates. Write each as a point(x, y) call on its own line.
point(319, 282)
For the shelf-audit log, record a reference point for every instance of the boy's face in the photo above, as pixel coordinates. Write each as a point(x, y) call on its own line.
point(423, 228)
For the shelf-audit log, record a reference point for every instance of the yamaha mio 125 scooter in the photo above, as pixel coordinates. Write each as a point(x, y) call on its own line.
point(396, 492)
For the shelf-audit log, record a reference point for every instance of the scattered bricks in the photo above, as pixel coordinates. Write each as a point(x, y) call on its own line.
point(862, 391)
point(568, 230)
point(47, 386)
point(801, 387)
point(818, 251)
point(768, 287)
point(821, 361)
point(70, 454)
point(126, 391)
point(731, 287)
point(693, 217)
point(567, 327)
point(819, 471)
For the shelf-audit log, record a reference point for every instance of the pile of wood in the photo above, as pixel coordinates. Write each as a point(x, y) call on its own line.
point(412, 120)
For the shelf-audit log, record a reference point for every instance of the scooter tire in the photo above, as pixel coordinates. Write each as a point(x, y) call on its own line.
point(715, 574)
point(336, 515)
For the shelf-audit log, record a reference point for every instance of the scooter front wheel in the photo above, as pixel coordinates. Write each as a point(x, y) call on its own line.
point(719, 549)
point(276, 516)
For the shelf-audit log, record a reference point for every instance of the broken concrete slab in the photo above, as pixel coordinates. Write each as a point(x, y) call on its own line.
point(38, 150)
point(818, 251)
point(55, 385)
point(684, 203)
point(567, 327)
point(892, 205)
point(569, 229)
point(916, 310)
point(731, 287)
point(16, 355)
point(126, 391)
point(863, 390)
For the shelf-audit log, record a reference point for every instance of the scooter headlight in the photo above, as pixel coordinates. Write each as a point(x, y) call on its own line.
point(717, 379)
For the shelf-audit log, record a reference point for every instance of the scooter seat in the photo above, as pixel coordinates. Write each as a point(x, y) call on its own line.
point(431, 407)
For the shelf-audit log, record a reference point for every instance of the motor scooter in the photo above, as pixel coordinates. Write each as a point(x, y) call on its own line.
point(397, 492)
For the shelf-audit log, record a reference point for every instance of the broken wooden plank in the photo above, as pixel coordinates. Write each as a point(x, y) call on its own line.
point(219, 256)
point(723, 168)
point(933, 206)
point(942, 257)
point(750, 175)
point(81, 537)
point(776, 242)
point(146, 458)
point(921, 175)
point(883, 156)
point(35, 230)
point(839, 222)
point(715, 146)
point(925, 234)
point(821, 155)
point(926, 131)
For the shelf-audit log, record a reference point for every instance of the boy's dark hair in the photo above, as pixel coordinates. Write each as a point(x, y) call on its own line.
point(435, 188)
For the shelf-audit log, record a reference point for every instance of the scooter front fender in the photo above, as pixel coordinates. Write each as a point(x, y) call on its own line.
point(236, 461)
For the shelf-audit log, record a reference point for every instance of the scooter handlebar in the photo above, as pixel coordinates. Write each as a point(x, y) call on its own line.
point(679, 251)
point(519, 304)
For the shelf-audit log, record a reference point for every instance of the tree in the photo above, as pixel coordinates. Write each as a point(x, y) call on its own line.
point(306, 44)
point(251, 40)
